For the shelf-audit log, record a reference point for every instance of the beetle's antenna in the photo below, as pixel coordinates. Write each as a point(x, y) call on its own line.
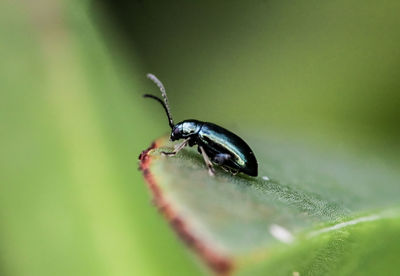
point(170, 122)
point(164, 94)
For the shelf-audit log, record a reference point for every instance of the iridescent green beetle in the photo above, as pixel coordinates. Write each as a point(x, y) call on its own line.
point(217, 145)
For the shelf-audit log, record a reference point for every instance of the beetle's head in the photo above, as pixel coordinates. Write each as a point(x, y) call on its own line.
point(185, 129)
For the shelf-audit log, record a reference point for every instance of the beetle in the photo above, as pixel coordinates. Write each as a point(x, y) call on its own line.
point(216, 144)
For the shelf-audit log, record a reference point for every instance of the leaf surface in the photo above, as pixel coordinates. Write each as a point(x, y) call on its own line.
point(302, 200)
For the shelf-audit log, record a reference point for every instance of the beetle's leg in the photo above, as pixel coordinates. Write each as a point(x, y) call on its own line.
point(229, 170)
point(177, 148)
point(220, 158)
point(226, 169)
point(207, 161)
point(233, 172)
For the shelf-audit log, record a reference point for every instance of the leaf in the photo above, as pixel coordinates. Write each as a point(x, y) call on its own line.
point(72, 122)
point(309, 212)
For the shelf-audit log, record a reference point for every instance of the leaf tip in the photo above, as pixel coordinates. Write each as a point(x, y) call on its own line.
point(221, 265)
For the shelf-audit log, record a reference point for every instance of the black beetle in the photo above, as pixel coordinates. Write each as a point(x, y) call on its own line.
point(216, 144)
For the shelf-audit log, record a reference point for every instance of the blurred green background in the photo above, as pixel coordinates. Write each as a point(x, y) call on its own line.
point(73, 121)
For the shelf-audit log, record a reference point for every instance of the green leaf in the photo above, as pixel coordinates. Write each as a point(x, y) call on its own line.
point(311, 212)
point(72, 123)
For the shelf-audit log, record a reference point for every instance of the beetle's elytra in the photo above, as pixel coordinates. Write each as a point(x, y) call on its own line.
point(217, 145)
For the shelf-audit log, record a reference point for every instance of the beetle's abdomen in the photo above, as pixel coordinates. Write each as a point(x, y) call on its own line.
point(216, 139)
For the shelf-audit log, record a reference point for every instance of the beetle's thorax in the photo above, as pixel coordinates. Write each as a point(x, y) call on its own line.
point(186, 129)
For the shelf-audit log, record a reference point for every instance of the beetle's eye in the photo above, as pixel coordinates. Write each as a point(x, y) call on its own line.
point(176, 131)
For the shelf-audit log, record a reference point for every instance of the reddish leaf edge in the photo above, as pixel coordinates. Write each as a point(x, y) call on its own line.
point(219, 264)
